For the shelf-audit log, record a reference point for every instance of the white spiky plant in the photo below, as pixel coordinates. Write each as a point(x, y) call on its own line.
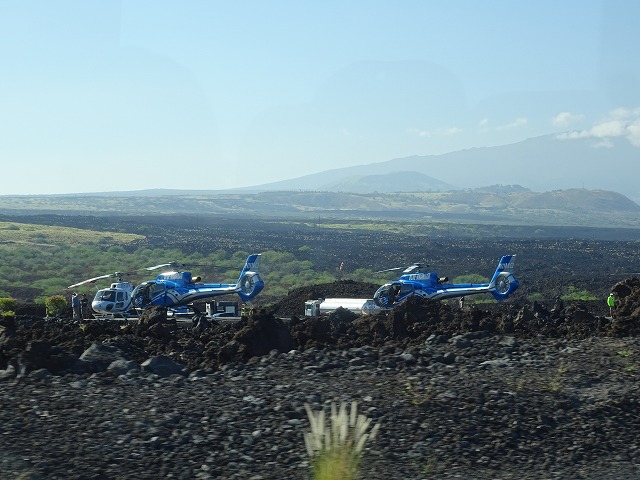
point(336, 451)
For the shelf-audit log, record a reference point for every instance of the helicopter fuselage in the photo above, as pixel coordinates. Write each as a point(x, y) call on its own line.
point(176, 289)
point(430, 285)
point(174, 293)
point(113, 300)
point(172, 289)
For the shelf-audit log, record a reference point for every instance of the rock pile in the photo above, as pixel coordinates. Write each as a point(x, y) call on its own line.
point(507, 391)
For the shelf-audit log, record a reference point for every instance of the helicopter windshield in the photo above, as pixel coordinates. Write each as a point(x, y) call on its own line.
point(106, 296)
point(389, 293)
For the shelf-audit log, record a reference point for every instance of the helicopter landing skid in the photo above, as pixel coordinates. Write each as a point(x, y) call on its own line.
point(112, 316)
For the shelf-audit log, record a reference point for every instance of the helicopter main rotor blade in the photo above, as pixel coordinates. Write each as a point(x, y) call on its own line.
point(159, 266)
point(118, 275)
point(412, 268)
point(89, 280)
point(389, 270)
point(176, 264)
point(408, 269)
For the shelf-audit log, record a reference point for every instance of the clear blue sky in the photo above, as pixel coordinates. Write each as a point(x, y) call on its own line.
point(102, 96)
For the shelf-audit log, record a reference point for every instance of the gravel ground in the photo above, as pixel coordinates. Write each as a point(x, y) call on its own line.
point(517, 392)
point(475, 406)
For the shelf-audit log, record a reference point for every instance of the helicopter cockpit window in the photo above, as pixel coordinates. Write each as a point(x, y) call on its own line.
point(156, 288)
point(392, 291)
point(120, 296)
point(384, 291)
point(406, 288)
point(108, 296)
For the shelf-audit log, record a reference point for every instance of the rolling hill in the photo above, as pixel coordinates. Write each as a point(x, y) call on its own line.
point(540, 164)
point(533, 182)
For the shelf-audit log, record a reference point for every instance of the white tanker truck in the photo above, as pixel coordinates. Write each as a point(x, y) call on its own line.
point(324, 306)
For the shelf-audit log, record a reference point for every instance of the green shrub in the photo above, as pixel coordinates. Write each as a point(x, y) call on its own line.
point(7, 305)
point(470, 278)
point(574, 294)
point(535, 297)
point(56, 305)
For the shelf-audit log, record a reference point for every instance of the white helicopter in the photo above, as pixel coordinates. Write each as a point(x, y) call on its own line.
point(114, 301)
point(170, 289)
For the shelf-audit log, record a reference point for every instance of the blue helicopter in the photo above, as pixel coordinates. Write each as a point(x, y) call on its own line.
point(430, 285)
point(172, 289)
point(179, 289)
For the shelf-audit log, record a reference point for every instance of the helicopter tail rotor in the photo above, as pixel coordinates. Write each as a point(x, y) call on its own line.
point(250, 283)
point(504, 283)
point(249, 286)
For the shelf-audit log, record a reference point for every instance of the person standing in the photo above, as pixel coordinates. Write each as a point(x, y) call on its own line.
point(84, 306)
point(557, 306)
point(75, 305)
point(611, 301)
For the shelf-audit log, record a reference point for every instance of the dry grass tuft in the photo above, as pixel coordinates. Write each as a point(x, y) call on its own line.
point(336, 450)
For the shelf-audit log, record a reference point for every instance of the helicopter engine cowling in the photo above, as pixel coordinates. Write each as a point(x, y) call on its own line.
point(249, 285)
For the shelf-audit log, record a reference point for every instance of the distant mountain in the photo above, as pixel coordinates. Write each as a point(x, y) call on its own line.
point(541, 164)
point(388, 183)
point(496, 204)
point(573, 200)
point(498, 188)
point(540, 181)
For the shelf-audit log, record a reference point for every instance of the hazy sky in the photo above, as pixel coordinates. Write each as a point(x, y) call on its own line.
point(102, 96)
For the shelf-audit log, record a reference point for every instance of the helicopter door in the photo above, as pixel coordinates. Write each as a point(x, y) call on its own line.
point(392, 292)
point(405, 289)
point(158, 294)
point(120, 298)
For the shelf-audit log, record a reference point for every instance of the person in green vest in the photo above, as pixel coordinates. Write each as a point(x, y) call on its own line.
point(611, 301)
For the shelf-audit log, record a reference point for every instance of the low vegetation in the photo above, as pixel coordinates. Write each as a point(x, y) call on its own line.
point(512, 206)
point(7, 306)
point(45, 260)
point(56, 305)
point(24, 234)
point(39, 261)
point(336, 450)
point(574, 293)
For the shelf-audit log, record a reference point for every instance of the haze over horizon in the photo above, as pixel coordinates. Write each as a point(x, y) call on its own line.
point(134, 95)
